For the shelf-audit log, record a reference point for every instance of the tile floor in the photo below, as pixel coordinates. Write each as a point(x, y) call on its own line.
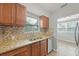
point(64, 49)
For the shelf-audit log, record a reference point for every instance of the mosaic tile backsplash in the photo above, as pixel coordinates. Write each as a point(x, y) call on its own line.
point(7, 33)
point(15, 33)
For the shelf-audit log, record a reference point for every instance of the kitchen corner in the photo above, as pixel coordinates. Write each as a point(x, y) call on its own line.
point(17, 41)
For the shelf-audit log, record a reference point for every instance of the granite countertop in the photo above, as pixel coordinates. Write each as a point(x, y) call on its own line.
point(8, 45)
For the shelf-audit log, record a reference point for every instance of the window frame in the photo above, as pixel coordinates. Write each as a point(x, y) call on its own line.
point(35, 17)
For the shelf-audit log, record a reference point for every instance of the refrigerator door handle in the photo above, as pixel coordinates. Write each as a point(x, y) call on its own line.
point(76, 34)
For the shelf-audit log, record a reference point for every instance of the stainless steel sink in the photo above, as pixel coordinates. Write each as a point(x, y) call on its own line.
point(35, 38)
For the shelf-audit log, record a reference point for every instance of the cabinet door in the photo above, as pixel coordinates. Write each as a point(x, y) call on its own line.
point(8, 13)
point(1, 21)
point(20, 15)
point(36, 49)
point(44, 22)
point(26, 51)
point(44, 47)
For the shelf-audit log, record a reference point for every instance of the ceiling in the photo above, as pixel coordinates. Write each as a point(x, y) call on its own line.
point(49, 7)
point(67, 9)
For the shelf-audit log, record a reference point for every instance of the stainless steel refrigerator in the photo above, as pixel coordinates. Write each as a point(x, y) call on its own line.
point(77, 38)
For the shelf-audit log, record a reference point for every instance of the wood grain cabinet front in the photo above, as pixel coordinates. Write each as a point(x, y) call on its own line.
point(26, 51)
point(44, 47)
point(20, 15)
point(12, 14)
point(36, 49)
point(44, 22)
point(7, 13)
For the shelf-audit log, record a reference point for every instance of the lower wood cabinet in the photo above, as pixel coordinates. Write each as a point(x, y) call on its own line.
point(44, 47)
point(35, 49)
point(40, 48)
point(25, 51)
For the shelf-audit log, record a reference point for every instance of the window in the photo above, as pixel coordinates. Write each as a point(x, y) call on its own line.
point(68, 23)
point(62, 26)
point(66, 26)
point(32, 24)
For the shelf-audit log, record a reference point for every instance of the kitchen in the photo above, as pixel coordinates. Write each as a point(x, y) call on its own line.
point(23, 33)
point(36, 29)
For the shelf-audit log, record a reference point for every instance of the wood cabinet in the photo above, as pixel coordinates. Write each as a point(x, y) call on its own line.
point(40, 48)
point(21, 15)
point(12, 14)
point(44, 22)
point(36, 49)
point(1, 21)
point(23, 51)
point(7, 14)
point(44, 47)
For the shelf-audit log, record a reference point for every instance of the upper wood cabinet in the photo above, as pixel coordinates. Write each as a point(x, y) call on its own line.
point(44, 22)
point(7, 14)
point(12, 14)
point(21, 15)
point(1, 14)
